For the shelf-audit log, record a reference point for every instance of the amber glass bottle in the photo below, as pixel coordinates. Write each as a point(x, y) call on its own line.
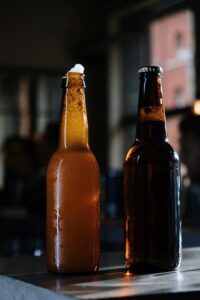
point(73, 190)
point(152, 185)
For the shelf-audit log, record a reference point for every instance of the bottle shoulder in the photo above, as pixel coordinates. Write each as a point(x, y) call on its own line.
point(77, 168)
point(152, 153)
point(71, 157)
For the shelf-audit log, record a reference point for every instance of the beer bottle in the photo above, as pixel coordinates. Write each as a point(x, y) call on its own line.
point(73, 188)
point(152, 185)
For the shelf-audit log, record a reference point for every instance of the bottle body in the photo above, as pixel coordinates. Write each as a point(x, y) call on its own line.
point(152, 206)
point(73, 212)
point(152, 186)
point(73, 190)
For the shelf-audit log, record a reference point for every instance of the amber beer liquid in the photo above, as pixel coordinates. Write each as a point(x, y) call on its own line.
point(152, 185)
point(73, 189)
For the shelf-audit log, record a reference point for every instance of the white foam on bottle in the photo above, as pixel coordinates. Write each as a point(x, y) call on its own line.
point(78, 68)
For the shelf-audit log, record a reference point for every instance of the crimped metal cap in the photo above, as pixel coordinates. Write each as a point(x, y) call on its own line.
point(150, 69)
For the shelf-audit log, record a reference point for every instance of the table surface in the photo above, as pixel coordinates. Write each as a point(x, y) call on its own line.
point(111, 281)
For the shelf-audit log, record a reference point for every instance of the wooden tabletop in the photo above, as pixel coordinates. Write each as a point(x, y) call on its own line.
point(111, 281)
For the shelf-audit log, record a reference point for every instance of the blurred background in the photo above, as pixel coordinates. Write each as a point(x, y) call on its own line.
point(39, 41)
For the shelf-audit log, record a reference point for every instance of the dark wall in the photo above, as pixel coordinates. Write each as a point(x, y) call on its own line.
point(51, 36)
point(97, 106)
point(42, 34)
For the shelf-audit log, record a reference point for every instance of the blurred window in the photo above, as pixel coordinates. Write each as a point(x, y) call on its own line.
point(28, 102)
point(178, 65)
point(179, 41)
point(179, 97)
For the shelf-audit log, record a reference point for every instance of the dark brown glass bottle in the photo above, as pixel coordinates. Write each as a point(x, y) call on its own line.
point(152, 185)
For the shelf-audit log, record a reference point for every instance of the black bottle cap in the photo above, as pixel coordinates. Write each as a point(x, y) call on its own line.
point(150, 69)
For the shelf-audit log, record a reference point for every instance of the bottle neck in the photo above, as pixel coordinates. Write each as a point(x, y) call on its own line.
point(74, 124)
point(151, 123)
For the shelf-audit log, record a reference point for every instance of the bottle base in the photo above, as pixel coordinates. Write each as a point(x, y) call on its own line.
point(65, 271)
point(153, 267)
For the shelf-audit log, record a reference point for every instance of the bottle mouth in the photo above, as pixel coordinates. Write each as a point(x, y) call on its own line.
point(150, 69)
